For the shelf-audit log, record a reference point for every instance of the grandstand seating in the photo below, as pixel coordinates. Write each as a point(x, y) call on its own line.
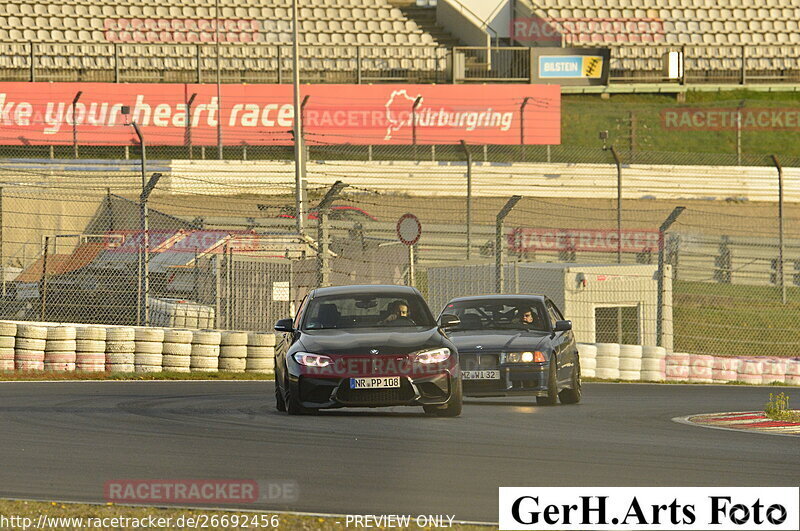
point(713, 32)
point(82, 35)
point(336, 35)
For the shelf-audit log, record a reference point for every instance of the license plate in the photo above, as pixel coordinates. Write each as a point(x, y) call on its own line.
point(384, 382)
point(480, 375)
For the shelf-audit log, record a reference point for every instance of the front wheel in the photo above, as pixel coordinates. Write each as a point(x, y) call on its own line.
point(573, 396)
point(552, 387)
point(280, 403)
point(453, 406)
point(293, 405)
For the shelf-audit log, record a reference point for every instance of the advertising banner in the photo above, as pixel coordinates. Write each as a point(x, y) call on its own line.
point(48, 113)
point(521, 240)
point(570, 66)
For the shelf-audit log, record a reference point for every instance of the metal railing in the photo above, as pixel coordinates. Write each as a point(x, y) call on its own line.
point(261, 63)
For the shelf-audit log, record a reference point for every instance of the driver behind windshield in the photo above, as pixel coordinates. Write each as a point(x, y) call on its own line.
point(527, 317)
point(397, 309)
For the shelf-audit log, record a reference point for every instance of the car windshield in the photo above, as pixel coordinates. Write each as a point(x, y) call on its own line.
point(367, 311)
point(499, 314)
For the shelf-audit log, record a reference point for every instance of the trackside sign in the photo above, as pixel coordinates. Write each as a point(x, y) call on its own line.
point(522, 239)
point(44, 113)
point(650, 508)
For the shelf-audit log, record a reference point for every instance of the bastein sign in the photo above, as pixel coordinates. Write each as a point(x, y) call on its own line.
point(44, 113)
point(570, 66)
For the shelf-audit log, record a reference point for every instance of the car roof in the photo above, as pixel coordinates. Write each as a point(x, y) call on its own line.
point(376, 289)
point(540, 298)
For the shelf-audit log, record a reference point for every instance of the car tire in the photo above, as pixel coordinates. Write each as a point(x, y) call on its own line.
point(552, 387)
point(573, 395)
point(280, 403)
point(293, 405)
point(453, 406)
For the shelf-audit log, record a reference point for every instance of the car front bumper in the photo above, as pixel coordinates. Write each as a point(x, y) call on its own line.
point(321, 392)
point(515, 379)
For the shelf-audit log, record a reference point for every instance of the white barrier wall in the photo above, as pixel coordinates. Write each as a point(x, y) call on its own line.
point(610, 361)
point(489, 179)
point(58, 347)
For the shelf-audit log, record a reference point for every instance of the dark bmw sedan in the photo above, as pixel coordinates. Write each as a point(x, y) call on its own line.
point(515, 345)
point(366, 346)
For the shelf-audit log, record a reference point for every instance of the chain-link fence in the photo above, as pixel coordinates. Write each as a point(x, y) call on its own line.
point(723, 277)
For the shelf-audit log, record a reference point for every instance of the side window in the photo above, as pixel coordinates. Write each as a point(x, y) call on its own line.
point(556, 310)
point(552, 312)
point(300, 311)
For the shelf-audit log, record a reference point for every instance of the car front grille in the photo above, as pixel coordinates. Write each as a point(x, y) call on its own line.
point(475, 360)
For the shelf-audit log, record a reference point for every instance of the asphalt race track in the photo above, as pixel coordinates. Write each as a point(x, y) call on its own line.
point(63, 441)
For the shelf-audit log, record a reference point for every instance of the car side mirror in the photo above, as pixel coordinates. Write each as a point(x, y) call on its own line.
point(562, 326)
point(284, 325)
point(448, 320)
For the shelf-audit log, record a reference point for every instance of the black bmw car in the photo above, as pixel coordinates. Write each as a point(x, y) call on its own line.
point(515, 345)
point(366, 346)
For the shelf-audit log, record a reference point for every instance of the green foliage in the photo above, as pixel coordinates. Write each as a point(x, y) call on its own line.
point(778, 409)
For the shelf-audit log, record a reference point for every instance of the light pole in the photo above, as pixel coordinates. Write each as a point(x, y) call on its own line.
point(298, 126)
point(219, 84)
point(469, 197)
point(141, 318)
point(75, 123)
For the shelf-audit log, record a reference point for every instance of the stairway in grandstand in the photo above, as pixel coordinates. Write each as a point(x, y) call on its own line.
point(425, 17)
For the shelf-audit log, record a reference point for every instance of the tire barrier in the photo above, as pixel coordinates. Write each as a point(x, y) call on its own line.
point(793, 371)
point(29, 347)
point(630, 362)
point(8, 337)
point(725, 370)
point(607, 360)
point(205, 351)
point(260, 353)
point(774, 370)
point(587, 353)
point(750, 371)
point(233, 351)
point(177, 351)
point(148, 349)
point(120, 349)
point(676, 367)
point(60, 349)
point(654, 365)
point(176, 313)
point(701, 368)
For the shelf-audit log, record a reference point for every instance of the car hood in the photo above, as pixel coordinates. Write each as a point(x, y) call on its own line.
point(500, 340)
point(359, 342)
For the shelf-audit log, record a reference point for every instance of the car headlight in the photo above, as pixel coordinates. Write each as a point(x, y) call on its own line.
point(312, 360)
point(528, 356)
point(433, 356)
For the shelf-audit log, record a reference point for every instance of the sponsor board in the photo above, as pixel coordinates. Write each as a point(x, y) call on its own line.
point(649, 508)
point(570, 66)
point(730, 119)
point(43, 113)
point(522, 239)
